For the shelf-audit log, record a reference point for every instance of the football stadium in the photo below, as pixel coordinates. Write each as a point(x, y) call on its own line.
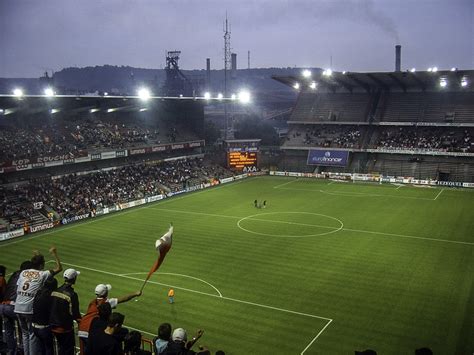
point(157, 219)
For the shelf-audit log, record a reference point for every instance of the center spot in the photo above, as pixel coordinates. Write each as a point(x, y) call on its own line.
point(290, 224)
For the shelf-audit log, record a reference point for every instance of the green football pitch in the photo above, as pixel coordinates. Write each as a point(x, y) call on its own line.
point(326, 268)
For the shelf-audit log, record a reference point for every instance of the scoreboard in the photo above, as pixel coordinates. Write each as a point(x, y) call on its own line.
point(242, 160)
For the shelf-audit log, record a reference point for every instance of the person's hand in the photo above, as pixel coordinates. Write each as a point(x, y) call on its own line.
point(36, 252)
point(52, 250)
point(199, 333)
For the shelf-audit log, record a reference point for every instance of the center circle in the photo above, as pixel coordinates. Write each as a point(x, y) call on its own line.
point(255, 217)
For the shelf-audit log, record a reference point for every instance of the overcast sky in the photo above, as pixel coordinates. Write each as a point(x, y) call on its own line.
point(359, 35)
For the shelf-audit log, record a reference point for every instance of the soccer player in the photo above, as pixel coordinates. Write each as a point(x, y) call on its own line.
point(171, 296)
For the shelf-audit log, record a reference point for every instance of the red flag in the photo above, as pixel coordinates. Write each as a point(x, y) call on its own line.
point(163, 245)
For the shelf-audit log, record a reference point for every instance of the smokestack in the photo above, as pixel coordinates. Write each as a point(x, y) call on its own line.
point(234, 61)
point(398, 57)
point(208, 73)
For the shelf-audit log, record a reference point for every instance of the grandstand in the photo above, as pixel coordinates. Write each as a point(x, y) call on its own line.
point(393, 123)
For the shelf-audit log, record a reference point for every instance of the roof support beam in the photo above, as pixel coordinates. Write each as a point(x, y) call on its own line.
point(397, 81)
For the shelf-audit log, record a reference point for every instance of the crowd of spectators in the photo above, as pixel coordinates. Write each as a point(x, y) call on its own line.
point(327, 137)
point(440, 139)
point(41, 321)
point(76, 138)
point(73, 195)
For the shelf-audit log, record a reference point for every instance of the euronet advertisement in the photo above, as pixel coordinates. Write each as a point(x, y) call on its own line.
point(328, 157)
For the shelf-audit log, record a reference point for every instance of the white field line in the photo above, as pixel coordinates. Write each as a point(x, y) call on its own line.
point(284, 184)
point(332, 182)
point(321, 226)
point(316, 337)
point(329, 320)
point(356, 194)
point(114, 214)
point(439, 193)
point(398, 187)
point(172, 273)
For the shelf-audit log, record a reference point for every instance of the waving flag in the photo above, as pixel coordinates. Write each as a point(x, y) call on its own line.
point(162, 245)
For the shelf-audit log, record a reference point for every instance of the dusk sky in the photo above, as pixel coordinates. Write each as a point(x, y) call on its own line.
point(360, 35)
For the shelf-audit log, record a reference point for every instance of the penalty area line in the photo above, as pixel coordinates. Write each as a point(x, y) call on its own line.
point(289, 311)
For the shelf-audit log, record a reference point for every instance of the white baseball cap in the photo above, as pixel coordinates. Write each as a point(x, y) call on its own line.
point(71, 274)
point(179, 334)
point(102, 289)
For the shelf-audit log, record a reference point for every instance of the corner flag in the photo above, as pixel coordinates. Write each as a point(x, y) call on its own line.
point(162, 245)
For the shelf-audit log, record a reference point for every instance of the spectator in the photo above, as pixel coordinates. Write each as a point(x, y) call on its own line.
point(7, 308)
point(133, 343)
point(64, 311)
point(180, 346)
point(29, 283)
point(160, 343)
point(42, 340)
point(101, 292)
point(105, 343)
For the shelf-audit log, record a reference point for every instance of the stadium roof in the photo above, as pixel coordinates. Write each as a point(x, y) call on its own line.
point(394, 81)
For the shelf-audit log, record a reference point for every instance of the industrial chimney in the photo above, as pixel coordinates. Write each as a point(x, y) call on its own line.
point(234, 65)
point(208, 73)
point(398, 57)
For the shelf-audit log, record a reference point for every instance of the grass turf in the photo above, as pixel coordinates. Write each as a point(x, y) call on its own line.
point(326, 268)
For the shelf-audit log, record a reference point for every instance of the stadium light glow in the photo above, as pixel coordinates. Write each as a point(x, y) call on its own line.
point(430, 69)
point(220, 96)
point(454, 69)
point(109, 110)
point(233, 97)
point(207, 95)
point(344, 72)
point(106, 93)
point(48, 92)
point(296, 86)
point(143, 109)
point(180, 96)
point(327, 72)
point(412, 70)
point(92, 110)
point(312, 85)
point(306, 73)
point(1, 110)
point(144, 94)
point(18, 92)
point(244, 97)
point(435, 69)
point(463, 83)
point(54, 110)
point(443, 83)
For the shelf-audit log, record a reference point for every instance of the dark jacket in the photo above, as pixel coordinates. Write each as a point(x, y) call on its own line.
point(64, 308)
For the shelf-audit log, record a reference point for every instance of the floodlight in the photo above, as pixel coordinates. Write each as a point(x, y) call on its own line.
point(49, 92)
point(180, 96)
point(306, 73)
point(220, 96)
point(443, 83)
point(312, 85)
point(454, 69)
point(1, 111)
point(92, 110)
point(327, 72)
point(412, 70)
point(296, 86)
point(244, 97)
point(430, 69)
point(106, 93)
point(143, 109)
point(435, 69)
point(233, 97)
point(54, 110)
point(109, 110)
point(344, 72)
point(144, 94)
point(207, 95)
point(18, 92)
point(463, 83)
